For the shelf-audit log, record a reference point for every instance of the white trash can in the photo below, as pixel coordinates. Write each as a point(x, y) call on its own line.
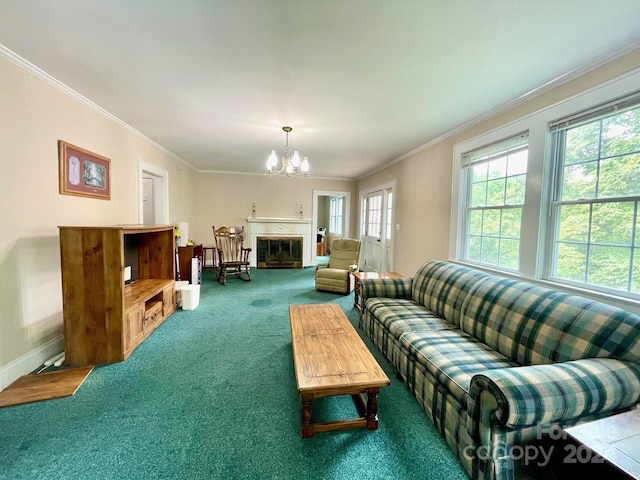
point(190, 296)
point(180, 284)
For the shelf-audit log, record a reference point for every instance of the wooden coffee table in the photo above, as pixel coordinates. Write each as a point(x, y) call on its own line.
point(359, 276)
point(331, 359)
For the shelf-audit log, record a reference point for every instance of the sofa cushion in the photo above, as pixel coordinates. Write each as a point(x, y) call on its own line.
point(452, 357)
point(398, 316)
point(533, 325)
point(442, 287)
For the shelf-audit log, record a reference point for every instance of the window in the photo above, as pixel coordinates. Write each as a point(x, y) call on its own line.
point(575, 226)
point(495, 190)
point(336, 215)
point(595, 205)
point(374, 215)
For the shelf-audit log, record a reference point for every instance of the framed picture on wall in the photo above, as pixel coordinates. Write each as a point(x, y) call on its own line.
point(83, 173)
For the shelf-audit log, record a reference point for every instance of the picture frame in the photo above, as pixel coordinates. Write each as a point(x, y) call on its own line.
point(83, 173)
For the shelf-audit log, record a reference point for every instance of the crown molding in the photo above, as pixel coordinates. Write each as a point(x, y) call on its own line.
point(57, 84)
point(550, 85)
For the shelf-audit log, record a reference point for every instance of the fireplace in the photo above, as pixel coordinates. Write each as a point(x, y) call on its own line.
point(279, 252)
point(271, 228)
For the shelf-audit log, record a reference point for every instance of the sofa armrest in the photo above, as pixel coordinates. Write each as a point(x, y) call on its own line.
point(386, 287)
point(544, 394)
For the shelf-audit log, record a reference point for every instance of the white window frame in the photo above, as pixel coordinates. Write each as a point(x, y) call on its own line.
point(535, 234)
point(482, 156)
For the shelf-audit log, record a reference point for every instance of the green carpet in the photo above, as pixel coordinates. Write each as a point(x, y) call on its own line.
point(211, 394)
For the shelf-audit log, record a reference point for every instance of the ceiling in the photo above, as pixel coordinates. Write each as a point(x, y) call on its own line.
point(362, 82)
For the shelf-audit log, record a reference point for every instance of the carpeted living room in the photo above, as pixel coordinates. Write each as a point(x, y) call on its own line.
point(212, 394)
point(411, 231)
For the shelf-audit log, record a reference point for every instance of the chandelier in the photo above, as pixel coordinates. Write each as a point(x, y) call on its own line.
point(290, 165)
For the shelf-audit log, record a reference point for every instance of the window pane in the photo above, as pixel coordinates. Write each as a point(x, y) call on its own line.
point(582, 143)
point(517, 163)
point(511, 219)
point(474, 248)
point(574, 223)
point(515, 190)
point(480, 172)
point(509, 253)
point(612, 223)
point(498, 168)
point(475, 222)
point(491, 223)
point(571, 262)
point(619, 177)
point(621, 133)
point(490, 250)
point(479, 194)
point(637, 242)
point(495, 192)
point(579, 181)
point(635, 277)
point(609, 266)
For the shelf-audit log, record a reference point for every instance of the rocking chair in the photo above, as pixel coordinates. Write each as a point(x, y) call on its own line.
point(233, 258)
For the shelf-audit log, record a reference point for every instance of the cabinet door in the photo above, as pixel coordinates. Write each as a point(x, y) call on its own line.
point(133, 329)
point(168, 301)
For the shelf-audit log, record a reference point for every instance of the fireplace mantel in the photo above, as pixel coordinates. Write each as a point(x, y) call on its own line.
point(277, 227)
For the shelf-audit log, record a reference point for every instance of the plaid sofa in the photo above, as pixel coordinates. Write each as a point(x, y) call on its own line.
point(497, 363)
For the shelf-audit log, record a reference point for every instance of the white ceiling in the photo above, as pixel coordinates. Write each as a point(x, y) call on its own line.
point(362, 82)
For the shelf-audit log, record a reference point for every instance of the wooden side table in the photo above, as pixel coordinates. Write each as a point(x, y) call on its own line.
point(205, 249)
point(185, 254)
point(366, 275)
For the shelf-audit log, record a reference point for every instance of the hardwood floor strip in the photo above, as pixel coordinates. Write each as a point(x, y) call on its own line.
point(45, 386)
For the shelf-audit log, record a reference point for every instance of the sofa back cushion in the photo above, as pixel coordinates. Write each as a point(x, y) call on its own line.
point(532, 325)
point(441, 287)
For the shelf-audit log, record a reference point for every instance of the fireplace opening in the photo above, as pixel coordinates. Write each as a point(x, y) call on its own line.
point(279, 252)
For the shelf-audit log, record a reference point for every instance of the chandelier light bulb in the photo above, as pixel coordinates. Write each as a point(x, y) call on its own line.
point(295, 160)
point(305, 165)
point(272, 161)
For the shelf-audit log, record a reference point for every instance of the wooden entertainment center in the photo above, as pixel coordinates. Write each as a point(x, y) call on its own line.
point(104, 318)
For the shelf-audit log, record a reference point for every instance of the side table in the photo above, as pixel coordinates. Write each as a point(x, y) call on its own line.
point(614, 439)
point(366, 275)
point(205, 249)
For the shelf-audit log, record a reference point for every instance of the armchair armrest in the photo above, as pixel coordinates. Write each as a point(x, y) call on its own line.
point(544, 394)
point(321, 265)
point(385, 287)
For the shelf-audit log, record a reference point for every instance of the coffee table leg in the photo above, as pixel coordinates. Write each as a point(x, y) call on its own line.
point(372, 409)
point(307, 428)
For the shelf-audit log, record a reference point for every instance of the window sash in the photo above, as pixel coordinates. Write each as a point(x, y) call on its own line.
point(623, 284)
point(600, 111)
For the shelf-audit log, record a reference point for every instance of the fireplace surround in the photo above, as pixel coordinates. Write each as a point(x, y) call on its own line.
point(281, 228)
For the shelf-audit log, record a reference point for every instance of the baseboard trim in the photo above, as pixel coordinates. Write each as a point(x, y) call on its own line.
point(29, 361)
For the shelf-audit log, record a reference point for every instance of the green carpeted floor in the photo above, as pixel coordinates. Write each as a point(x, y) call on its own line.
point(211, 394)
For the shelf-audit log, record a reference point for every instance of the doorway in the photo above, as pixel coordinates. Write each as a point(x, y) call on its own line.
point(332, 211)
point(376, 228)
point(153, 188)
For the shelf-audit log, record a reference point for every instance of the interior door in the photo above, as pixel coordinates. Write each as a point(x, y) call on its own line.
point(373, 251)
point(148, 206)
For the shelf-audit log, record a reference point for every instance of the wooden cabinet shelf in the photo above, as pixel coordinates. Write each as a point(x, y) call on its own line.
point(104, 319)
